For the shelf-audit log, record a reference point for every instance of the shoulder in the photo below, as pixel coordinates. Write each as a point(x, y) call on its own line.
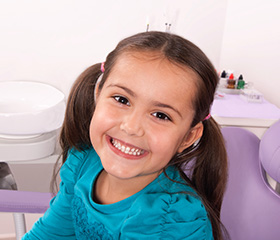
point(76, 162)
point(169, 216)
point(176, 206)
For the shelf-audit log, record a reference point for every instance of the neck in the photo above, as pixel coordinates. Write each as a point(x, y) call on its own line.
point(109, 189)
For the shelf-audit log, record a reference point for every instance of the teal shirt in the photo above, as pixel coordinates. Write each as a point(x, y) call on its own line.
point(159, 211)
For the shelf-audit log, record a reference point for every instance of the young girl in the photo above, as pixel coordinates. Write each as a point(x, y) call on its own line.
point(132, 127)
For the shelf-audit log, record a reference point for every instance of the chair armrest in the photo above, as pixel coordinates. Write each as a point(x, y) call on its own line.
point(24, 201)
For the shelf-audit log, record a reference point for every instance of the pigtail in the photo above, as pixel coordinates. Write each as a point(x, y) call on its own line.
point(79, 111)
point(204, 167)
point(78, 114)
point(209, 176)
point(210, 171)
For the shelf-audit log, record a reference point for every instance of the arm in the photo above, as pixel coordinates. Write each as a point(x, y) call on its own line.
point(57, 221)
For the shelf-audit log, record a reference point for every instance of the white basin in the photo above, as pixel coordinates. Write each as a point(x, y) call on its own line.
point(29, 108)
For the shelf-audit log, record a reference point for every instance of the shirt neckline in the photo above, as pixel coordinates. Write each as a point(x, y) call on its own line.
point(125, 203)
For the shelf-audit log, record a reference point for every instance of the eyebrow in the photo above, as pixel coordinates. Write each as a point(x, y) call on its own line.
point(130, 92)
point(155, 103)
point(163, 105)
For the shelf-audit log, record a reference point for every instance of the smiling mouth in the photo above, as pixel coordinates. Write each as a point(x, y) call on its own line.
point(124, 148)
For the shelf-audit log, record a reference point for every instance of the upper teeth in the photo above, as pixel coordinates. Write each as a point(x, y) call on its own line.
point(127, 150)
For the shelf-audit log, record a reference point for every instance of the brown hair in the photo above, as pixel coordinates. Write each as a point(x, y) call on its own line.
point(208, 159)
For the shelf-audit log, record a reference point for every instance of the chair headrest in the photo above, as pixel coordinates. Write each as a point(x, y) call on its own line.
point(270, 151)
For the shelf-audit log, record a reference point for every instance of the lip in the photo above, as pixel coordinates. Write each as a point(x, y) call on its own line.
point(122, 154)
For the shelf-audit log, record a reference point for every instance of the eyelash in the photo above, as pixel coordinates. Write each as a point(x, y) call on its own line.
point(122, 100)
point(159, 115)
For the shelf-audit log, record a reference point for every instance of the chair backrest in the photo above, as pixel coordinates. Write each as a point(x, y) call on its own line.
point(250, 210)
point(270, 151)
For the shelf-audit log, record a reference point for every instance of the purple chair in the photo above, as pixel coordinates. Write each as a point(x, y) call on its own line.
point(20, 202)
point(251, 209)
point(270, 153)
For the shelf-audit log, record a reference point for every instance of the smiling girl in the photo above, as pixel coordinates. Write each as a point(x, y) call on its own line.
point(133, 126)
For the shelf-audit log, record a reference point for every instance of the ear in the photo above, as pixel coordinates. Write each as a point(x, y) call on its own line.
point(192, 136)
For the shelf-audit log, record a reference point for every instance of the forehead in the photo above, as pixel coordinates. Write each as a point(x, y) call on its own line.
point(154, 72)
point(156, 60)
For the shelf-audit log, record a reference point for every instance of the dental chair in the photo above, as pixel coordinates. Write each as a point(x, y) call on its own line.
point(251, 207)
point(20, 202)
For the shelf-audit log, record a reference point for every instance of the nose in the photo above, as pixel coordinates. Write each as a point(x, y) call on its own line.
point(132, 124)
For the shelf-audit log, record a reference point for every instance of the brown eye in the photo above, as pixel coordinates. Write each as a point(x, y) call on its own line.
point(161, 116)
point(122, 100)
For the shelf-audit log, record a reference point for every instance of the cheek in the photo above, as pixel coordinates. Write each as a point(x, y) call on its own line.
point(92, 132)
point(101, 121)
point(165, 141)
point(96, 125)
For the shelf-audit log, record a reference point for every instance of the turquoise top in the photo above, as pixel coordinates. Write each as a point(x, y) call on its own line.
point(159, 211)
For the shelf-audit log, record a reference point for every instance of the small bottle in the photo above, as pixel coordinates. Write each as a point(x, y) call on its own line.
point(231, 82)
point(241, 82)
point(223, 80)
point(224, 74)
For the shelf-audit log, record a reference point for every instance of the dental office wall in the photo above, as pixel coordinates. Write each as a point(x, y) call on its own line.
point(251, 44)
point(54, 41)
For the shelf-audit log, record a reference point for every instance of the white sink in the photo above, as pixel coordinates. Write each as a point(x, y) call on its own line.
point(29, 108)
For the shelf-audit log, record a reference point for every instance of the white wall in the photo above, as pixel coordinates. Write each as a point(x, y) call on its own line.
point(54, 41)
point(251, 44)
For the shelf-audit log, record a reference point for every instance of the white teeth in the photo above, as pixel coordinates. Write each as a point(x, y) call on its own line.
point(127, 150)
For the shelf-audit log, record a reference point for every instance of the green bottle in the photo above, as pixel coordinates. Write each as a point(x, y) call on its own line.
point(240, 83)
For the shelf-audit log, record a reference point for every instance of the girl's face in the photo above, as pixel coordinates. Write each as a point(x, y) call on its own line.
point(143, 115)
